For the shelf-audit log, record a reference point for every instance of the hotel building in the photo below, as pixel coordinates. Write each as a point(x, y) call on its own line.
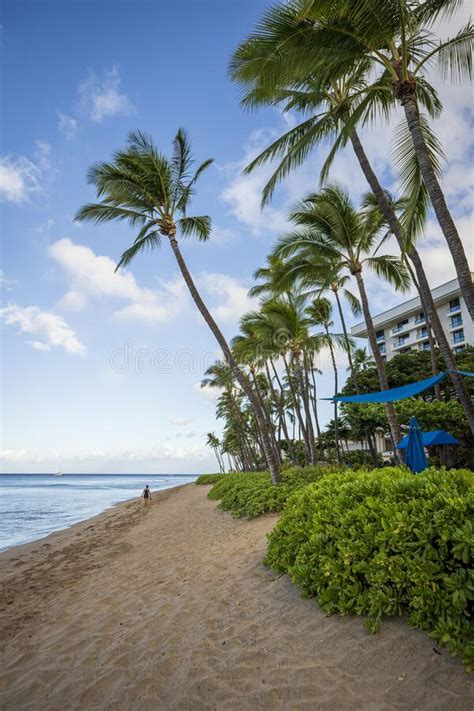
point(403, 327)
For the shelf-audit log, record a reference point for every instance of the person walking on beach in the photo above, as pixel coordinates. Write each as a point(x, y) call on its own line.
point(146, 495)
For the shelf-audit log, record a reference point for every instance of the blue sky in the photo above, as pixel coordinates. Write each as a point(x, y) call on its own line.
point(100, 372)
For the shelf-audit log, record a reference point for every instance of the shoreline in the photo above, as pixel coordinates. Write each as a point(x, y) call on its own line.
point(171, 607)
point(89, 518)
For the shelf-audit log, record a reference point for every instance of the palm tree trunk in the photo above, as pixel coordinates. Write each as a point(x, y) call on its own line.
point(281, 415)
point(381, 372)
point(297, 408)
point(438, 201)
point(271, 428)
point(307, 411)
point(434, 364)
point(426, 297)
point(336, 387)
point(240, 377)
point(314, 401)
point(346, 338)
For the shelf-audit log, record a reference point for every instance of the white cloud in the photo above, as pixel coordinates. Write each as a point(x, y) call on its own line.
point(101, 97)
point(232, 296)
point(12, 455)
point(39, 346)
point(67, 125)
point(4, 282)
point(21, 177)
point(92, 276)
point(223, 235)
point(52, 328)
point(243, 192)
point(207, 392)
point(181, 421)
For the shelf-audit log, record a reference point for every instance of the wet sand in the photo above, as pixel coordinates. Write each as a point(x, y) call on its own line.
point(171, 608)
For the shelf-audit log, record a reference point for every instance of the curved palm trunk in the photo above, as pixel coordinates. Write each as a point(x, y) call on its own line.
point(240, 377)
point(438, 201)
point(423, 287)
point(381, 372)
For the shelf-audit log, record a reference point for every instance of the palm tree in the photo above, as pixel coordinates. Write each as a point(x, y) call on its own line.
point(320, 314)
point(268, 66)
point(219, 376)
point(214, 443)
point(326, 41)
point(256, 345)
point(329, 228)
point(151, 192)
point(291, 333)
point(362, 360)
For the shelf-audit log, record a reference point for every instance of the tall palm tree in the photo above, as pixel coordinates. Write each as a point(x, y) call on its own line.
point(272, 68)
point(362, 360)
point(329, 227)
point(313, 38)
point(320, 314)
point(214, 443)
point(152, 192)
point(219, 376)
point(256, 345)
point(291, 333)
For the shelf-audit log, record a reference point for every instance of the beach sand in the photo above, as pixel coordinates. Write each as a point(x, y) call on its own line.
point(171, 608)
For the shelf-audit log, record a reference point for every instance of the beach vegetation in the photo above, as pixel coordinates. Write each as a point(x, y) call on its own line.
point(251, 494)
point(384, 543)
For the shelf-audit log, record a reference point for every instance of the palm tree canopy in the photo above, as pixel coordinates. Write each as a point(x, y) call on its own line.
point(148, 190)
point(333, 234)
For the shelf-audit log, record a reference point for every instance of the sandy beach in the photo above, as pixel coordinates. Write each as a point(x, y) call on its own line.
point(171, 608)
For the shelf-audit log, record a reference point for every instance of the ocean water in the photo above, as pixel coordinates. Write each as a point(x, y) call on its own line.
point(34, 505)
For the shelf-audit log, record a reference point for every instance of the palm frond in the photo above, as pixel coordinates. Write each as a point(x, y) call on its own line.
point(151, 241)
point(353, 302)
point(198, 226)
point(454, 56)
point(391, 269)
point(99, 213)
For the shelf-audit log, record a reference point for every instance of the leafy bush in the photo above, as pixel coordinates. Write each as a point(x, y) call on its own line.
point(209, 478)
point(383, 542)
point(251, 494)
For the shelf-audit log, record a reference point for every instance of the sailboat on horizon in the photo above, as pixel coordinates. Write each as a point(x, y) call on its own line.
point(59, 473)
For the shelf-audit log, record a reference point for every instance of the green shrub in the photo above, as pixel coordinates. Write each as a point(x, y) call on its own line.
point(384, 542)
point(251, 494)
point(209, 478)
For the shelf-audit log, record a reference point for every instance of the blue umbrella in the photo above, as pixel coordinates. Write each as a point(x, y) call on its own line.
point(415, 453)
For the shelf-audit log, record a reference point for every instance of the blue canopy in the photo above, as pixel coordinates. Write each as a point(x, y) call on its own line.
point(431, 439)
point(415, 457)
point(399, 393)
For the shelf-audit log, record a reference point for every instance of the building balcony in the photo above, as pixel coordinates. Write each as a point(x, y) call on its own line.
point(421, 334)
point(398, 346)
point(455, 323)
point(453, 309)
point(456, 340)
point(400, 329)
point(419, 320)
